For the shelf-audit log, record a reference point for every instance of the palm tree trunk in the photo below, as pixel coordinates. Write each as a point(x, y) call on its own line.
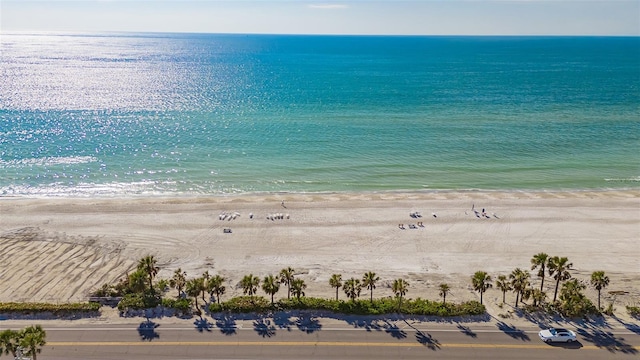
point(542, 283)
point(598, 300)
point(480, 297)
point(336, 293)
point(555, 293)
point(371, 295)
point(517, 295)
point(444, 299)
point(504, 293)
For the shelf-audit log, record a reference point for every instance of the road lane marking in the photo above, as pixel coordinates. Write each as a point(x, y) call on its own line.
point(323, 343)
point(323, 329)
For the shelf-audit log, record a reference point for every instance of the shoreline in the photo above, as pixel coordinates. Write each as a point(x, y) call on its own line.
point(632, 191)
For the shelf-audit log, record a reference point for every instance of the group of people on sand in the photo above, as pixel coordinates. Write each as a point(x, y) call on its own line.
point(233, 215)
point(411, 226)
point(415, 215)
point(277, 216)
point(483, 214)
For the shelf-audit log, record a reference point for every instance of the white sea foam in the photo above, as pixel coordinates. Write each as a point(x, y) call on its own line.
point(634, 179)
point(48, 161)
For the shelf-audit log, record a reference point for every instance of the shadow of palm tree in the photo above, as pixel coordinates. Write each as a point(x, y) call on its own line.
point(629, 326)
point(308, 323)
point(427, 340)
point(227, 325)
point(607, 340)
point(513, 331)
point(364, 323)
point(282, 320)
point(467, 331)
point(264, 328)
point(147, 330)
point(203, 324)
point(395, 331)
point(540, 318)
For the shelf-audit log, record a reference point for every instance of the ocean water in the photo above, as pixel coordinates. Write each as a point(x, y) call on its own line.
point(189, 114)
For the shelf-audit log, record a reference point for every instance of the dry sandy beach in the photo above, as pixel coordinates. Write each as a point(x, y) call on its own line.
point(58, 250)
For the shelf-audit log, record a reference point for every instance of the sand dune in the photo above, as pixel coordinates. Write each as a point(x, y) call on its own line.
point(58, 250)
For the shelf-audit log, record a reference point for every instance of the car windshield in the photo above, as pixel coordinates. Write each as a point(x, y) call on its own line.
point(552, 331)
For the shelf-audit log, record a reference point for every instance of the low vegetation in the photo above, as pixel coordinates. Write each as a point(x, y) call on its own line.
point(139, 290)
point(55, 309)
point(259, 304)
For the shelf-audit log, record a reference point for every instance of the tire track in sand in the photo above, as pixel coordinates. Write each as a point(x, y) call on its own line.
point(38, 266)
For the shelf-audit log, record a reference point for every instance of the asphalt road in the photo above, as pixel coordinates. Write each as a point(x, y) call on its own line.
point(312, 339)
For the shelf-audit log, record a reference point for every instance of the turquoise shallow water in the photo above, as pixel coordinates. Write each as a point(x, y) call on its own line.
point(167, 114)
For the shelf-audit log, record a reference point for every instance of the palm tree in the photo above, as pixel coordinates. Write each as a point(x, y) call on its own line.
point(9, 342)
point(519, 283)
point(178, 280)
point(538, 296)
point(215, 286)
point(205, 282)
point(481, 282)
point(137, 281)
point(336, 282)
point(250, 284)
point(599, 281)
point(149, 265)
point(503, 284)
point(162, 285)
point(559, 268)
point(444, 290)
point(352, 288)
point(194, 287)
point(32, 340)
point(400, 288)
point(369, 281)
point(297, 288)
point(540, 261)
point(271, 285)
point(203, 288)
point(573, 302)
point(286, 277)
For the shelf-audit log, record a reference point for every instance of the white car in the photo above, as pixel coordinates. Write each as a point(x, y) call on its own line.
point(557, 335)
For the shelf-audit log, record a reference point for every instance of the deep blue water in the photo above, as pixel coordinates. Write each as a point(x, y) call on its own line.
point(165, 114)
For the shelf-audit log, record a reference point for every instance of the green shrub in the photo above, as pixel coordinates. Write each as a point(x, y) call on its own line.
point(182, 305)
point(138, 302)
point(246, 304)
point(574, 309)
point(215, 308)
point(358, 307)
point(57, 309)
point(633, 310)
point(435, 308)
point(609, 310)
